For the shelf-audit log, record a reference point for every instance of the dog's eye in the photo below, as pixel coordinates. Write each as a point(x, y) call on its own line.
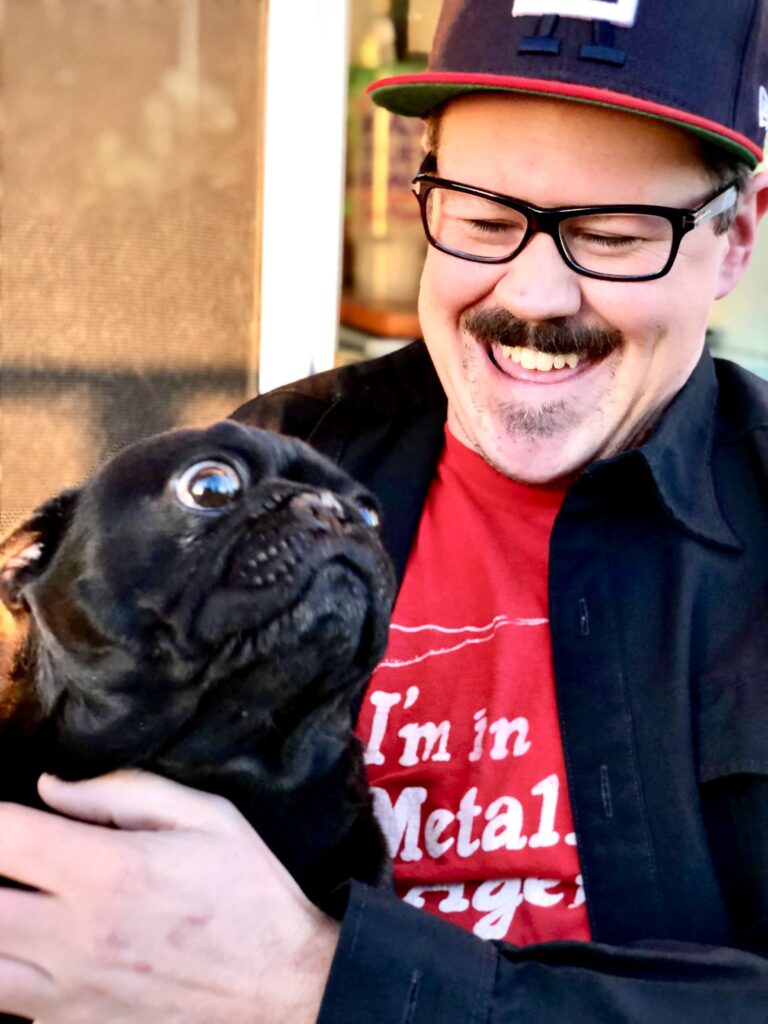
point(368, 513)
point(208, 486)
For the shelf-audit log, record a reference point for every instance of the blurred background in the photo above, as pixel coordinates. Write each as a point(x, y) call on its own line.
point(198, 202)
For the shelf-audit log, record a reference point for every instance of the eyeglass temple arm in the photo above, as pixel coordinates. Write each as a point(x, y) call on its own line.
point(717, 206)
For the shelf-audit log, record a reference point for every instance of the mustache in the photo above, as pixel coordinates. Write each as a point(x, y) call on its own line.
point(557, 337)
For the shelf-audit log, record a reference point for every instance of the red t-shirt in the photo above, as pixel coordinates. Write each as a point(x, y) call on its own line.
point(460, 721)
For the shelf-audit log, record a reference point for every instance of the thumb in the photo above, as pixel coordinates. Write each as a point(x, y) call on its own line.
point(139, 801)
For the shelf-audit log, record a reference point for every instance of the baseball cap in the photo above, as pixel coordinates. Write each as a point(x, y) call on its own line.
point(699, 64)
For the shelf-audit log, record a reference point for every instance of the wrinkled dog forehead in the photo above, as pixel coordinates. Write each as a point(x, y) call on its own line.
point(148, 466)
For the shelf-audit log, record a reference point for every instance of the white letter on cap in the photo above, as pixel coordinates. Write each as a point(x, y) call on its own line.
point(617, 12)
point(763, 101)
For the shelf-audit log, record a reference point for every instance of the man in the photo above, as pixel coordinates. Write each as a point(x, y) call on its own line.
point(614, 483)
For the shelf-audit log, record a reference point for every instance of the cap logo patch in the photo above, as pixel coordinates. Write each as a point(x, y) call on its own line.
point(763, 103)
point(616, 12)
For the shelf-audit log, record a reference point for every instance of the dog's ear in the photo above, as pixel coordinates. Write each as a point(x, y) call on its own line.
point(26, 551)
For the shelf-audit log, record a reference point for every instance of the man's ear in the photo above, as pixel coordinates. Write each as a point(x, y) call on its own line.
point(26, 551)
point(743, 232)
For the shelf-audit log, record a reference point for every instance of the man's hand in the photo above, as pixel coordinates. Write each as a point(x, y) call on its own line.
point(180, 913)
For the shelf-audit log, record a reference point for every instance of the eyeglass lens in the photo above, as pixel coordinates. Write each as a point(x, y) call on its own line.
point(617, 244)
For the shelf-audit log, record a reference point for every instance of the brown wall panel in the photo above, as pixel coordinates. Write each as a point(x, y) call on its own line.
point(129, 218)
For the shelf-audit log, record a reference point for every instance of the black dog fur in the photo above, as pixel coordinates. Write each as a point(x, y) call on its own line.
point(207, 606)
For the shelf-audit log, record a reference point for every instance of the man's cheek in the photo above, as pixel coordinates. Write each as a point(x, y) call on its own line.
point(449, 285)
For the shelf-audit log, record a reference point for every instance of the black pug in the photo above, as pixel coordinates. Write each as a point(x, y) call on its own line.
point(207, 606)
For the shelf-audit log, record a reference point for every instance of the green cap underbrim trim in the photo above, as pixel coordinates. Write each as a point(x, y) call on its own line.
point(417, 99)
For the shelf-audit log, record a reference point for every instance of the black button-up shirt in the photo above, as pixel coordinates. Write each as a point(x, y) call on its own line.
point(659, 619)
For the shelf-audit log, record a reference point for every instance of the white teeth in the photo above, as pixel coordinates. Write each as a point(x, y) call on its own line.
point(532, 359)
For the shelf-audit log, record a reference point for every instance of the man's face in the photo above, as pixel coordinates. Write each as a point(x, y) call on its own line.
point(638, 342)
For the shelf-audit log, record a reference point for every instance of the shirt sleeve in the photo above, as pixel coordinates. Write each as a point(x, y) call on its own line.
point(398, 965)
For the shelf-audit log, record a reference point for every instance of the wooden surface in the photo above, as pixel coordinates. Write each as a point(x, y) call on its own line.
point(384, 321)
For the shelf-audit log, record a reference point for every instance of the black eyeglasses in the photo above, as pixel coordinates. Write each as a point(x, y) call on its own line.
point(612, 243)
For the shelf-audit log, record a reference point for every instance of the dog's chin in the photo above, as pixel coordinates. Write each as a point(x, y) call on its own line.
point(332, 620)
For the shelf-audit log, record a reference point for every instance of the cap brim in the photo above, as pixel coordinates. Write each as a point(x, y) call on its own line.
point(417, 95)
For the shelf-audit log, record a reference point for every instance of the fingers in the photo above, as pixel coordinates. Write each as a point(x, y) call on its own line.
point(29, 921)
point(49, 852)
point(139, 801)
point(26, 989)
point(44, 851)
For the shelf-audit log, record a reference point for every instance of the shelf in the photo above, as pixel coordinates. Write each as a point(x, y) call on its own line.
point(384, 321)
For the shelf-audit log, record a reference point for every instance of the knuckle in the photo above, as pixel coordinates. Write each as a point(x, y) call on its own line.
point(123, 871)
point(224, 811)
point(16, 819)
point(106, 943)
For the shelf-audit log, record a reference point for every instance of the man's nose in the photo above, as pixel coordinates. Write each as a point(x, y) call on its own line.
point(538, 284)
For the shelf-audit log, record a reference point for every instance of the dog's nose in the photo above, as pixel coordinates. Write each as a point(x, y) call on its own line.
point(322, 507)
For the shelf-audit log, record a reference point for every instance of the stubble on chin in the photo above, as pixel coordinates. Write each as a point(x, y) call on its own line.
point(513, 420)
point(533, 424)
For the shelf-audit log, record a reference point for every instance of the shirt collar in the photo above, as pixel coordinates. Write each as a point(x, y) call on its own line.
point(679, 456)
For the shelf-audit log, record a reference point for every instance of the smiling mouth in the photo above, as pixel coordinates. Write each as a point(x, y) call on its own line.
point(534, 359)
point(527, 363)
